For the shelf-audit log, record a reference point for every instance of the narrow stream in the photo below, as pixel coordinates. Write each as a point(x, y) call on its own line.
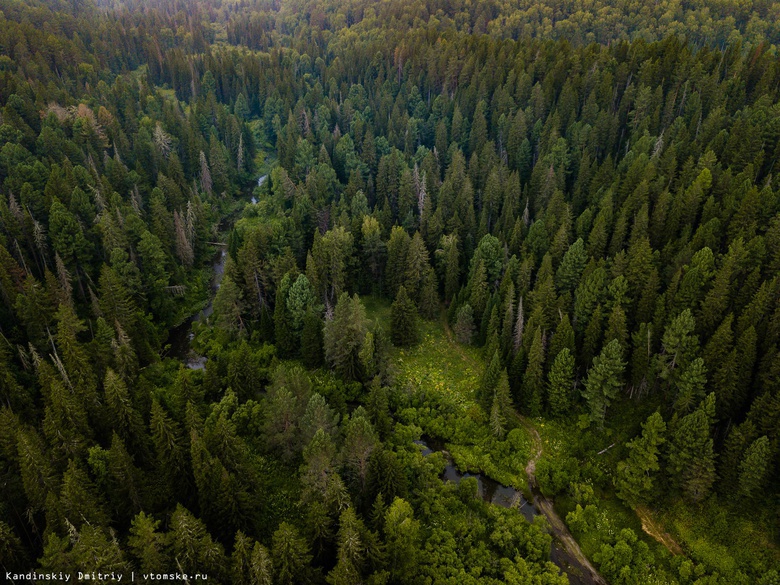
point(180, 337)
point(507, 497)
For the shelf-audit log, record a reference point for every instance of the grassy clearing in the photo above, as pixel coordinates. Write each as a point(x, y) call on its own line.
point(721, 538)
point(444, 377)
point(438, 364)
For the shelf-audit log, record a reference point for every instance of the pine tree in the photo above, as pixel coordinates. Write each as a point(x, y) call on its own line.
point(403, 320)
point(635, 474)
point(560, 383)
point(604, 380)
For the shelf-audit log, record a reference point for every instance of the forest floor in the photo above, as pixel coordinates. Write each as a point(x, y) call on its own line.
point(652, 527)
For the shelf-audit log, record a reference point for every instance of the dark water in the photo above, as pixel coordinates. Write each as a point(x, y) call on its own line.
point(181, 337)
point(507, 497)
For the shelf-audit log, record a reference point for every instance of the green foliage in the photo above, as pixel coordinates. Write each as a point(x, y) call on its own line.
point(344, 336)
point(403, 320)
point(604, 380)
point(560, 382)
point(636, 474)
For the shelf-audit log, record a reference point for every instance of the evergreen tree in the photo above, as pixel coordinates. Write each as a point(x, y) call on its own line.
point(291, 556)
point(402, 537)
point(754, 468)
point(570, 270)
point(501, 412)
point(560, 383)
point(403, 320)
point(464, 325)
point(604, 380)
point(635, 474)
point(147, 544)
point(691, 452)
point(533, 380)
point(344, 336)
point(679, 347)
point(490, 379)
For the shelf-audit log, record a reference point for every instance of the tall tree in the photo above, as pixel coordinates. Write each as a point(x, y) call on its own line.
point(604, 380)
point(636, 473)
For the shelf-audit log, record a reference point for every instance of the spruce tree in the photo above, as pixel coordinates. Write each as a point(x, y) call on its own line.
point(691, 452)
point(344, 336)
point(290, 555)
point(403, 320)
point(533, 380)
point(567, 277)
point(635, 474)
point(464, 325)
point(604, 380)
point(560, 382)
point(490, 380)
point(754, 468)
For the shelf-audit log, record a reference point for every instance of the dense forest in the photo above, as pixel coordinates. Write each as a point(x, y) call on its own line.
point(483, 227)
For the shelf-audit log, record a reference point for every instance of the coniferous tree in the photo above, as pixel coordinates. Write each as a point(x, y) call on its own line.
point(344, 336)
point(604, 380)
point(635, 474)
point(691, 452)
point(754, 468)
point(533, 379)
point(464, 325)
point(560, 382)
point(403, 320)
